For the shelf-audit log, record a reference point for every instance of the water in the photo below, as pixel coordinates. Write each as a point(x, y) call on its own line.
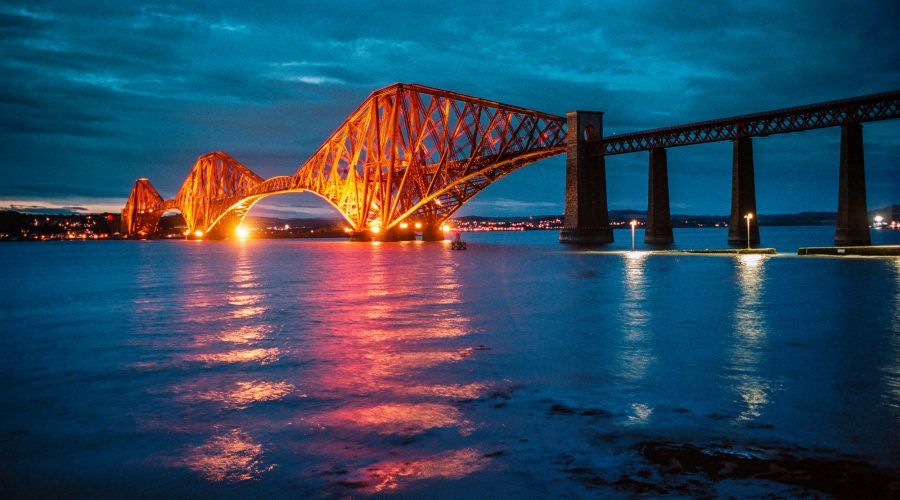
point(327, 368)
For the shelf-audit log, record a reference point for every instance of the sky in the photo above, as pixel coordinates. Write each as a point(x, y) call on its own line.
point(97, 94)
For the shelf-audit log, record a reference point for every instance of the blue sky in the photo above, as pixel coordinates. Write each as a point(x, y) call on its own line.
point(96, 94)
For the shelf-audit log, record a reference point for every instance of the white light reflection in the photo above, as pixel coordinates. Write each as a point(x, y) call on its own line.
point(750, 336)
point(635, 358)
point(892, 369)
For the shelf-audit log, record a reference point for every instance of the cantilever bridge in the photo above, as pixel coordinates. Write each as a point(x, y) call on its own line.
point(408, 153)
point(411, 155)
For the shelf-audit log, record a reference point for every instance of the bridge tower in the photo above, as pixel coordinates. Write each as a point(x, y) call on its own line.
point(852, 227)
point(586, 218)
point(743, 194)
point(659, 220)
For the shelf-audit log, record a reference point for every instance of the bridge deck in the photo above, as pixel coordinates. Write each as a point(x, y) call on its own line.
point(868, 108)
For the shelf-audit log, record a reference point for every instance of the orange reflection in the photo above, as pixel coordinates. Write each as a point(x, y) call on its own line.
point(457, 391)
point(391, 474)
point(229, 458)
point(397, 418)
point(248, 334)
point(264, 356)
point(246, 312)
point(246, 392)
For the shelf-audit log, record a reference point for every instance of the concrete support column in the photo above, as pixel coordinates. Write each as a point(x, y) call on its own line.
point(659, 221)
point(388, 235)
point(360, 236)
point(407, 234)
point(586, 218)
point(743, 195)
point(432, 233)
point(852, 226)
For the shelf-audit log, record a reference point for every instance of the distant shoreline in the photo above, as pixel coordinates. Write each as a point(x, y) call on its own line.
point(19, 226)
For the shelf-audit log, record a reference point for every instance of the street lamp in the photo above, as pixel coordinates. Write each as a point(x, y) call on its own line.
point(749, 216)
point(633, 224)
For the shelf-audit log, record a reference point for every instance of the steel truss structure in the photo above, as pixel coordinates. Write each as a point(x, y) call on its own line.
point(869, 108)
point(408, 153)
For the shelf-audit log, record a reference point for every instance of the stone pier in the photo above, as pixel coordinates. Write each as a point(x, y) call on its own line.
point(743, 195)
point(432, 233)
point(659, 221)
point(586, 218)
point(852, 227)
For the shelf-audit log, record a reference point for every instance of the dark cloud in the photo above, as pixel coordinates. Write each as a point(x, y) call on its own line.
point(95, 94)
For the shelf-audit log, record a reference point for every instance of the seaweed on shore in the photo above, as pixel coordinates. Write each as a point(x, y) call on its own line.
point(840, 477)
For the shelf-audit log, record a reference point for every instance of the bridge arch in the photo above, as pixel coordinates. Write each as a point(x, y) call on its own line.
point(407, 153)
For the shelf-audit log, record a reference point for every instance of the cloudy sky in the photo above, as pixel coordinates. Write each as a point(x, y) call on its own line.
point(96, 94)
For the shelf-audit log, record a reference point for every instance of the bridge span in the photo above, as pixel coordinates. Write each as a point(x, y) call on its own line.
point(410, 156)
point(587, 220)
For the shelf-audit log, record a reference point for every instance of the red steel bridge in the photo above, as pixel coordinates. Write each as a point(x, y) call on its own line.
point(410, 156)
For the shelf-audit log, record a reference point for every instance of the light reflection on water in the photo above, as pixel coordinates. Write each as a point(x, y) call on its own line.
point(348, 370)
point(636, 354)
point(753, 389)
point(230, 457)
point(891, 370)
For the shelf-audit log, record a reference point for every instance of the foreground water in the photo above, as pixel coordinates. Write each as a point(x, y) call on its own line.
point(516, 368)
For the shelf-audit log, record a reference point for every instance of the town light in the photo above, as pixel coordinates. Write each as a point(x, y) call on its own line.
point(444, 227)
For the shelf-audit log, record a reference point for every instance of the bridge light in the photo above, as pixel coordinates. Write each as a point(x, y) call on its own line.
point(198, 233)
point(633, 225)
point(375, 229)
point(348, 230)
point(242, 232)
point(186, 232)
point(749, 216)
point(444, 228)
point(418, 225)
point(403, 225)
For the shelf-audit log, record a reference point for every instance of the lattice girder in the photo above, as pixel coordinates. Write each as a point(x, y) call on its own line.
point(401, 153)
point(143, 209)
point(884, 106)
point(215, 184)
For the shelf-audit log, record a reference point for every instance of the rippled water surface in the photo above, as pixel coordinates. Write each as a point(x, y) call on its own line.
point(329, 368)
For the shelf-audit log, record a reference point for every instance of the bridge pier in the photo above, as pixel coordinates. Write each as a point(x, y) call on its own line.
point(364, 235)
point(659, 220)
point(432, 233)
point(388, 235)
point(586, 219)
point(743, 194)
point(852, 226)
point(406, 234)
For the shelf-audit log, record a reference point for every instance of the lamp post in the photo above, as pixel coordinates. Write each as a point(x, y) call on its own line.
point(749, 216)
point(633, 224)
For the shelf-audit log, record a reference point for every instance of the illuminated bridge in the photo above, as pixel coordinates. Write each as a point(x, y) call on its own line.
point(410, 156)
